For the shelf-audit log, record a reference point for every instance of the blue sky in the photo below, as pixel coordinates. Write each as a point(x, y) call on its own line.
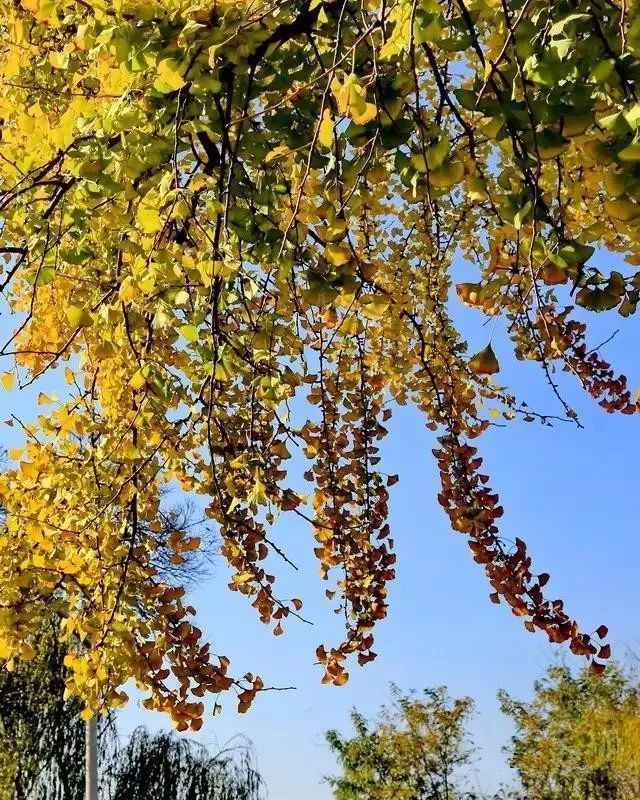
point(570, 494)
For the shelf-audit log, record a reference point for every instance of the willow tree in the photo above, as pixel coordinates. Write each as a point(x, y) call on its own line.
point(162, 766)
point(42, 741)
point(41, 735)
point(214, 208)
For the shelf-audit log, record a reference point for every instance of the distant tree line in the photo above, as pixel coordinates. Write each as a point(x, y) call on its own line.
point(578, 738)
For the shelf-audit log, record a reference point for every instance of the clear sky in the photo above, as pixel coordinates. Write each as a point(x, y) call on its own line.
point(570, 494)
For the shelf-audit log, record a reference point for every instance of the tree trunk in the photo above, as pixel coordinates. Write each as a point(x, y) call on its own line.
point(91, 759)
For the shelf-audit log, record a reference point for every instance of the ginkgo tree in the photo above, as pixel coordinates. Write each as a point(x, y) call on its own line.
point(218, 213)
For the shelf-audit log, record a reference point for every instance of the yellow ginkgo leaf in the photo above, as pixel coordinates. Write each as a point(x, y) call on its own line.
point(278, 152)
point(242, 577)
point(138, 381)
point(365, 114)
point(374, 306)
point(169, 76)
point(325, 132)
point(337, 254)
point(630, 153)
point(190, 332)
point(79, 317)
point(149, 218)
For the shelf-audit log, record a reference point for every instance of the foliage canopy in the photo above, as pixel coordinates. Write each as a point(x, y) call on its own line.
point(417, 750)
point(214, 210)
point(579, 737)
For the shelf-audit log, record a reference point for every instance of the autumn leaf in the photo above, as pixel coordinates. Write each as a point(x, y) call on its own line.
point(485, 362)
point(325, 131)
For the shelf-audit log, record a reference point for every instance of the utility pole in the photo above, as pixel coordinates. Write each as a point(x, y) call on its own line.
point(91, 759)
